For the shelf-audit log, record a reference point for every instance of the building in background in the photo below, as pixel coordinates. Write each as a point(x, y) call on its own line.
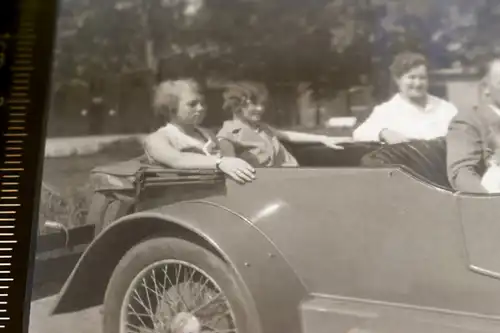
point(459, 86)
point(126, 103)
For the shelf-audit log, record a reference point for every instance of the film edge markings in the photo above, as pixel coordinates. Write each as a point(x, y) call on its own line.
point(27, 30)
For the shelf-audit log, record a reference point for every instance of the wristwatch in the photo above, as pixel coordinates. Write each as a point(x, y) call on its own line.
point(380, 137)
point(218, 162)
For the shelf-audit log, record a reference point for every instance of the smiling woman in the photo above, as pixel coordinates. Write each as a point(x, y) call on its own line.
point(248, 137)
point(413, 113)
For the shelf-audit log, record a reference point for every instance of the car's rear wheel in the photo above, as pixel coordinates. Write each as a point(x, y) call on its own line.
point(169, 285)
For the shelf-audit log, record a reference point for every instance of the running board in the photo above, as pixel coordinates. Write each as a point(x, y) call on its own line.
point(324, 314)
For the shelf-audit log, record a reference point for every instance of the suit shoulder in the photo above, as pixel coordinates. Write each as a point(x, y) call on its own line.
point(467, 115)
point(466, 120)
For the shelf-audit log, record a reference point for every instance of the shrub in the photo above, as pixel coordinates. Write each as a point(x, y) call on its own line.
point(65, 194)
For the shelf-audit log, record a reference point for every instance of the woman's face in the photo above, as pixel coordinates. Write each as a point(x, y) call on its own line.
point(191, 109)
point(252, 111)
point(414, 83)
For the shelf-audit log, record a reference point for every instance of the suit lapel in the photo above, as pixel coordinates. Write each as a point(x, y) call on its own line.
point(490, 130)
point(488, 115)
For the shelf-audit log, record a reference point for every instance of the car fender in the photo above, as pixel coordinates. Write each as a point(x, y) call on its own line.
point(267, 280)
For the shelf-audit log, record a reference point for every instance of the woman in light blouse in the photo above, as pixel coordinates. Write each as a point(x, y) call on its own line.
point(182, 143)
point(412, 113)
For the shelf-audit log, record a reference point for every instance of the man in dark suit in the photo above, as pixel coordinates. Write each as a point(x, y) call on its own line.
point(472, 134)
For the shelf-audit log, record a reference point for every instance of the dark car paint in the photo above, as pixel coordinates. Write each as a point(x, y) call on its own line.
point(269, 280)
point(385, 236)
point(326, 314)
point(314, 155)
point(387, 244)
point(479, 214)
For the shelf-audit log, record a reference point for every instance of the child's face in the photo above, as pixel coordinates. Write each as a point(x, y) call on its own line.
point(252, 111)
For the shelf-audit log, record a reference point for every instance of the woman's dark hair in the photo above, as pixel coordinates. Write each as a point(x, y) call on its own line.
point(406, 61)
point(166, 95)
point(237, 92)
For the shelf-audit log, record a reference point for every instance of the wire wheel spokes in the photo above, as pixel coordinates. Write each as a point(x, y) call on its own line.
point(172, 296)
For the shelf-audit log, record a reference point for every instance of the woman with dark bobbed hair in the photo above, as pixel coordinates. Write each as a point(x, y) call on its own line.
point(248, 137)
point(412, 113)
point(181, 143)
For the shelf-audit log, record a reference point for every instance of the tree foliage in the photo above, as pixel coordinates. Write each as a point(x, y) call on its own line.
point(271, 40)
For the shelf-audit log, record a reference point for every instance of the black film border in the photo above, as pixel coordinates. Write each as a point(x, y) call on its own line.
point(27, 30)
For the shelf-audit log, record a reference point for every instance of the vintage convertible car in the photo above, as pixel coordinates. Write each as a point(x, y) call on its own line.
point(373, 240)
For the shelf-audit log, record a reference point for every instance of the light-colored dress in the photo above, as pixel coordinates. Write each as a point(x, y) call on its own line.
point(400, 115)
point(258, 147)
point(182, 142)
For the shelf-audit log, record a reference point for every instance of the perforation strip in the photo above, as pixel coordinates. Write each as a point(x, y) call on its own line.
point(12, 168)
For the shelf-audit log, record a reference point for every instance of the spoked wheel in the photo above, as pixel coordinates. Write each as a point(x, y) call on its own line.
point(175, 297)
point(168, 285)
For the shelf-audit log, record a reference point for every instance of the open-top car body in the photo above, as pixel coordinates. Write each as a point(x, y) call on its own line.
point(382, 246)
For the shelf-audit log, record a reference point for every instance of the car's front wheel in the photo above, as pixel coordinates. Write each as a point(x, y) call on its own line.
point(169, 285)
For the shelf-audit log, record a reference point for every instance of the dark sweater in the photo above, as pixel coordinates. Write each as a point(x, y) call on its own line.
point(470, 143)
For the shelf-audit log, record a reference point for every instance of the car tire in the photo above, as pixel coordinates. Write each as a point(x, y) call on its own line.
point(163, 251)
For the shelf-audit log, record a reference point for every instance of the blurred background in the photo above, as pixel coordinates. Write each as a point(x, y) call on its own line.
point(322, 61)
point(319, 58)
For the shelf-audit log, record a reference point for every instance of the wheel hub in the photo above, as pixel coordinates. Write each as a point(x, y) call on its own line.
point(185, 322)
point(174, 297)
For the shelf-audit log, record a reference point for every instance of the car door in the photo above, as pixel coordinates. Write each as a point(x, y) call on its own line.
point(480, 218)
point(368, 234)
point(372, 234)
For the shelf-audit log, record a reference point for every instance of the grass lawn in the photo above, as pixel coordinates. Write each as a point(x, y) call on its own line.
point(66, 194)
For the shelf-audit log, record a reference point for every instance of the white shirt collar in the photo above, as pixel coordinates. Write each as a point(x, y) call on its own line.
point(430, 106)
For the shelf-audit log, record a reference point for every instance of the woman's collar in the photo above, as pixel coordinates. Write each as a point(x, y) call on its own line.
point(431, 101)
point(180, 128)
point(242, 123)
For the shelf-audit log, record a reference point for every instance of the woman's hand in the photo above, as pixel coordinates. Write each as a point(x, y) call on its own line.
point(237, 169)
point(392, 137)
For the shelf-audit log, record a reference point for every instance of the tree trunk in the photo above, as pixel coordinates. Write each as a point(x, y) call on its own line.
point(151, 61)
point(149, 49)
